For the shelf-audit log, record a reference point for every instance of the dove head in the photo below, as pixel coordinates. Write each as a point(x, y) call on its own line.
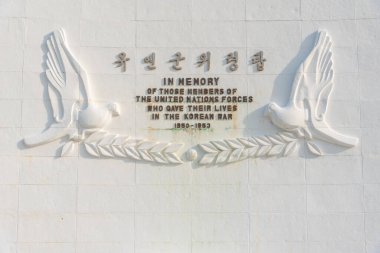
point(271, 108)
point(114, 109)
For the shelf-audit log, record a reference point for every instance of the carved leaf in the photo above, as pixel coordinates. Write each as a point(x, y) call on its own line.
point(262, 151)
point(235, 155)
point(235, 144)
point(252, 151)
point(117, 146)
point(158, 157)
point(223, 156)
point(110, 145)
point(231, 150)
point(300, 132)
point(275, 140)
point(173, 158)
point(132, 152)
point(208, 148)
point(118, 151)
point(104, 146)
point(263, 141)
point(313, 148)
point(105, 150)
point(288, 137)
point(208, 158)
point(120, 140)
point(246, 142)
point(275, 150)
point(145, 155)
point(170, 153)
point(244, 154)
point(67, 149)
point(290, 147)
point(253, 141)
point(92, 149)
point(221, 145)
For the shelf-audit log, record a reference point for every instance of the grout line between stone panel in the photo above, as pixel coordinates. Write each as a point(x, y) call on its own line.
point(192, 136)
point(20, 129)
point(248, 188)
point(78, 154)
point(135, 131)
point(304, 148)
point(361, 131)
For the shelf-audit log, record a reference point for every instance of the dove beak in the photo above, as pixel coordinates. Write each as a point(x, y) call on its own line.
point(114, 108)
point(116, 112)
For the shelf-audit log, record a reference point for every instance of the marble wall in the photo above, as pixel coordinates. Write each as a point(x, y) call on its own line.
point(294, 204)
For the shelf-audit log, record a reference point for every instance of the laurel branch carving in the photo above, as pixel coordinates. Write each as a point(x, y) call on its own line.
point(104, 144)
point(233, 150)
point(308, 94)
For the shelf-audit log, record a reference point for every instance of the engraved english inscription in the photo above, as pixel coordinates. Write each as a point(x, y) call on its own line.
point(192, 102)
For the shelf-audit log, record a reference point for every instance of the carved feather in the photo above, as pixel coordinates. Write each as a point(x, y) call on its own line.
point(55, 71)
point(314, 78)
point(59, 60)
point(56, 75)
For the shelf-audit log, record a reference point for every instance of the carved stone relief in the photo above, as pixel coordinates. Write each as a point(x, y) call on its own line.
point(84, 121)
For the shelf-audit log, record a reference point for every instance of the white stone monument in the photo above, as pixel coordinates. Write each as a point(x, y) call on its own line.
point(189, 126)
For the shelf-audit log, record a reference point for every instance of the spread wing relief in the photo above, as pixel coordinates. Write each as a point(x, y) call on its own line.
point(59, 90)
point(308, 103)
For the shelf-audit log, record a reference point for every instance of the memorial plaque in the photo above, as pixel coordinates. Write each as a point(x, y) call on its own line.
point(192, 104)
point(189, 126)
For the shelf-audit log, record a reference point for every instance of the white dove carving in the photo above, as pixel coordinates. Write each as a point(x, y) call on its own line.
point(77, 118)
point(306, 109)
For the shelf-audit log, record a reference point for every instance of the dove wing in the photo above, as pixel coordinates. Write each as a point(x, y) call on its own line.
point(57, 76)
point(55, 71)
point(58, 60)
point(314, 78)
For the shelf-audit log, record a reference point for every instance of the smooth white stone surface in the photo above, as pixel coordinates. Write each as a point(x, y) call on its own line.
point(296, 204)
